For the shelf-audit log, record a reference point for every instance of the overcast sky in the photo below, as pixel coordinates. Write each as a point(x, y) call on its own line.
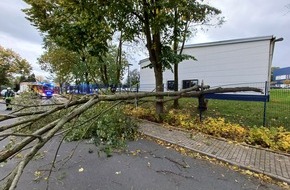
point(244, 18)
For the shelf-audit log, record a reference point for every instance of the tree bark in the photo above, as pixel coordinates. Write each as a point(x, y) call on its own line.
point(119, 60)
point(154, 48)
point(175, 47)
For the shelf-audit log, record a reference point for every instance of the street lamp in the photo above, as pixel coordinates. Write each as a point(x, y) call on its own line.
point(129, 80)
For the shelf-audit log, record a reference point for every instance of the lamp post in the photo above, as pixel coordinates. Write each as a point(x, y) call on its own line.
point(129, 80)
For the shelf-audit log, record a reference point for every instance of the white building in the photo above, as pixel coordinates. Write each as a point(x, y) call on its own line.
point(238, 62)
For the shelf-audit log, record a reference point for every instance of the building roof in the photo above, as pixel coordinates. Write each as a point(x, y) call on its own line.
point(282, 71)
point(224, 42)
point(233, 41)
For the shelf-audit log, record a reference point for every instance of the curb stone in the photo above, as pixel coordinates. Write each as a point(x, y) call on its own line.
point(188, 143)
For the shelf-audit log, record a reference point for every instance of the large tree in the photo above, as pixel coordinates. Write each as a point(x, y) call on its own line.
point(11, 64)
point(85, 26)
point(155, 20)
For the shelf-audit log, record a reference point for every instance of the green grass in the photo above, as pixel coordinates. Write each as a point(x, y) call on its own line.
point(248, 113)
point(245, 113)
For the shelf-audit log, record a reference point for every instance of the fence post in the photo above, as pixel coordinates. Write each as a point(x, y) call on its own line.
point(265, 104)
point(201, 103)
point(136, 99)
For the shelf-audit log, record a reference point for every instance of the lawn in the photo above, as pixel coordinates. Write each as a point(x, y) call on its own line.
point(249, 113)
point(245, 113)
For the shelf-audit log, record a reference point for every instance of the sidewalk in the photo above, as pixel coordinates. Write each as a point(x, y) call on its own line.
point(273, 164)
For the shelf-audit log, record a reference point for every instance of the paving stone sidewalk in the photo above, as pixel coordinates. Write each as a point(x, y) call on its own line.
point(273, 164)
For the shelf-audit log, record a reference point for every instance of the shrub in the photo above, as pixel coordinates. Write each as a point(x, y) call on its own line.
point(283, 142)
point(274, 138)
point(220, 128)
point(262, 136)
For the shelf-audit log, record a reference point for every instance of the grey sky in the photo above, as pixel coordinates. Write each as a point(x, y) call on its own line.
point(244, 18)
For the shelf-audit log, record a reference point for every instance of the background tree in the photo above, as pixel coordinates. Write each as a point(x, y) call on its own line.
point(78, 26)
point(110, 69)
point(134, 78)
point(187, 17)
point(61, 63)
point(11, 64)
point(272, 71)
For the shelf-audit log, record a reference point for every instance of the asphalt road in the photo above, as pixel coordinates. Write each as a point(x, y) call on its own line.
point(143, 165)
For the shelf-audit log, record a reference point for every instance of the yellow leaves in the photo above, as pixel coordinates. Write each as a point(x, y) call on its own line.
point(220, 128)
point(284, 185)
point(38, 175)
point(136, 152)
point(13, 61)
point(19, 156)
point(284, 141)
point(248, 172)
point(274, 138)
point(81, 169)
point(182, 150)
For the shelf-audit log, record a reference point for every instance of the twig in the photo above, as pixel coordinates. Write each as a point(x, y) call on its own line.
point(11, 184)
point(171, 172)
point(53, 162)
point(180, 164)
point(20, 135)
point(5, 127)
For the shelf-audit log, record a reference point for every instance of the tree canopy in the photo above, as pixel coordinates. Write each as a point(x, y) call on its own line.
point(86, 27)
point(10, 64)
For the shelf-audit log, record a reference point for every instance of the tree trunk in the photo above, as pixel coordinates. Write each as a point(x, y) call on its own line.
point(104, 76)
point(154, 48)
point(176, 103)
point(87, 82)
point(119, 60)
point(159, 88)
point(158, 74)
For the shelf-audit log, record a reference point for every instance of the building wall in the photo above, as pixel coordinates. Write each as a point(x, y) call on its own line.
point(280, 75)
point(219, 64)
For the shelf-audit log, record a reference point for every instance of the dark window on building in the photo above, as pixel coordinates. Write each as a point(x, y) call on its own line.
point(189, 83)
point(170, 85)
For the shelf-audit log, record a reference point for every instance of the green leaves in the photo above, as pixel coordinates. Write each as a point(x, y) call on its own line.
point(11, 63)
point(112, 129)
point(169, 57)
point(76, 25)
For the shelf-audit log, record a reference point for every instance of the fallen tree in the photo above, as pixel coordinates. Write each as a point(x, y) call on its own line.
point(36, 139)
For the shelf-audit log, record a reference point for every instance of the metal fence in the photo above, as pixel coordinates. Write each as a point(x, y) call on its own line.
point(278, 108)
point(270, 109)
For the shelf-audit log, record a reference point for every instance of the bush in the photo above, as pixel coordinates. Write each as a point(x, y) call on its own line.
point(220, 128)
point(274, 138)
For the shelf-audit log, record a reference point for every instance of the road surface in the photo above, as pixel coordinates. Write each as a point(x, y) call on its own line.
point(143, 165)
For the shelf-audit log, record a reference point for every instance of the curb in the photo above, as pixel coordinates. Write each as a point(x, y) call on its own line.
point(279, 178)
point(165, 125)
